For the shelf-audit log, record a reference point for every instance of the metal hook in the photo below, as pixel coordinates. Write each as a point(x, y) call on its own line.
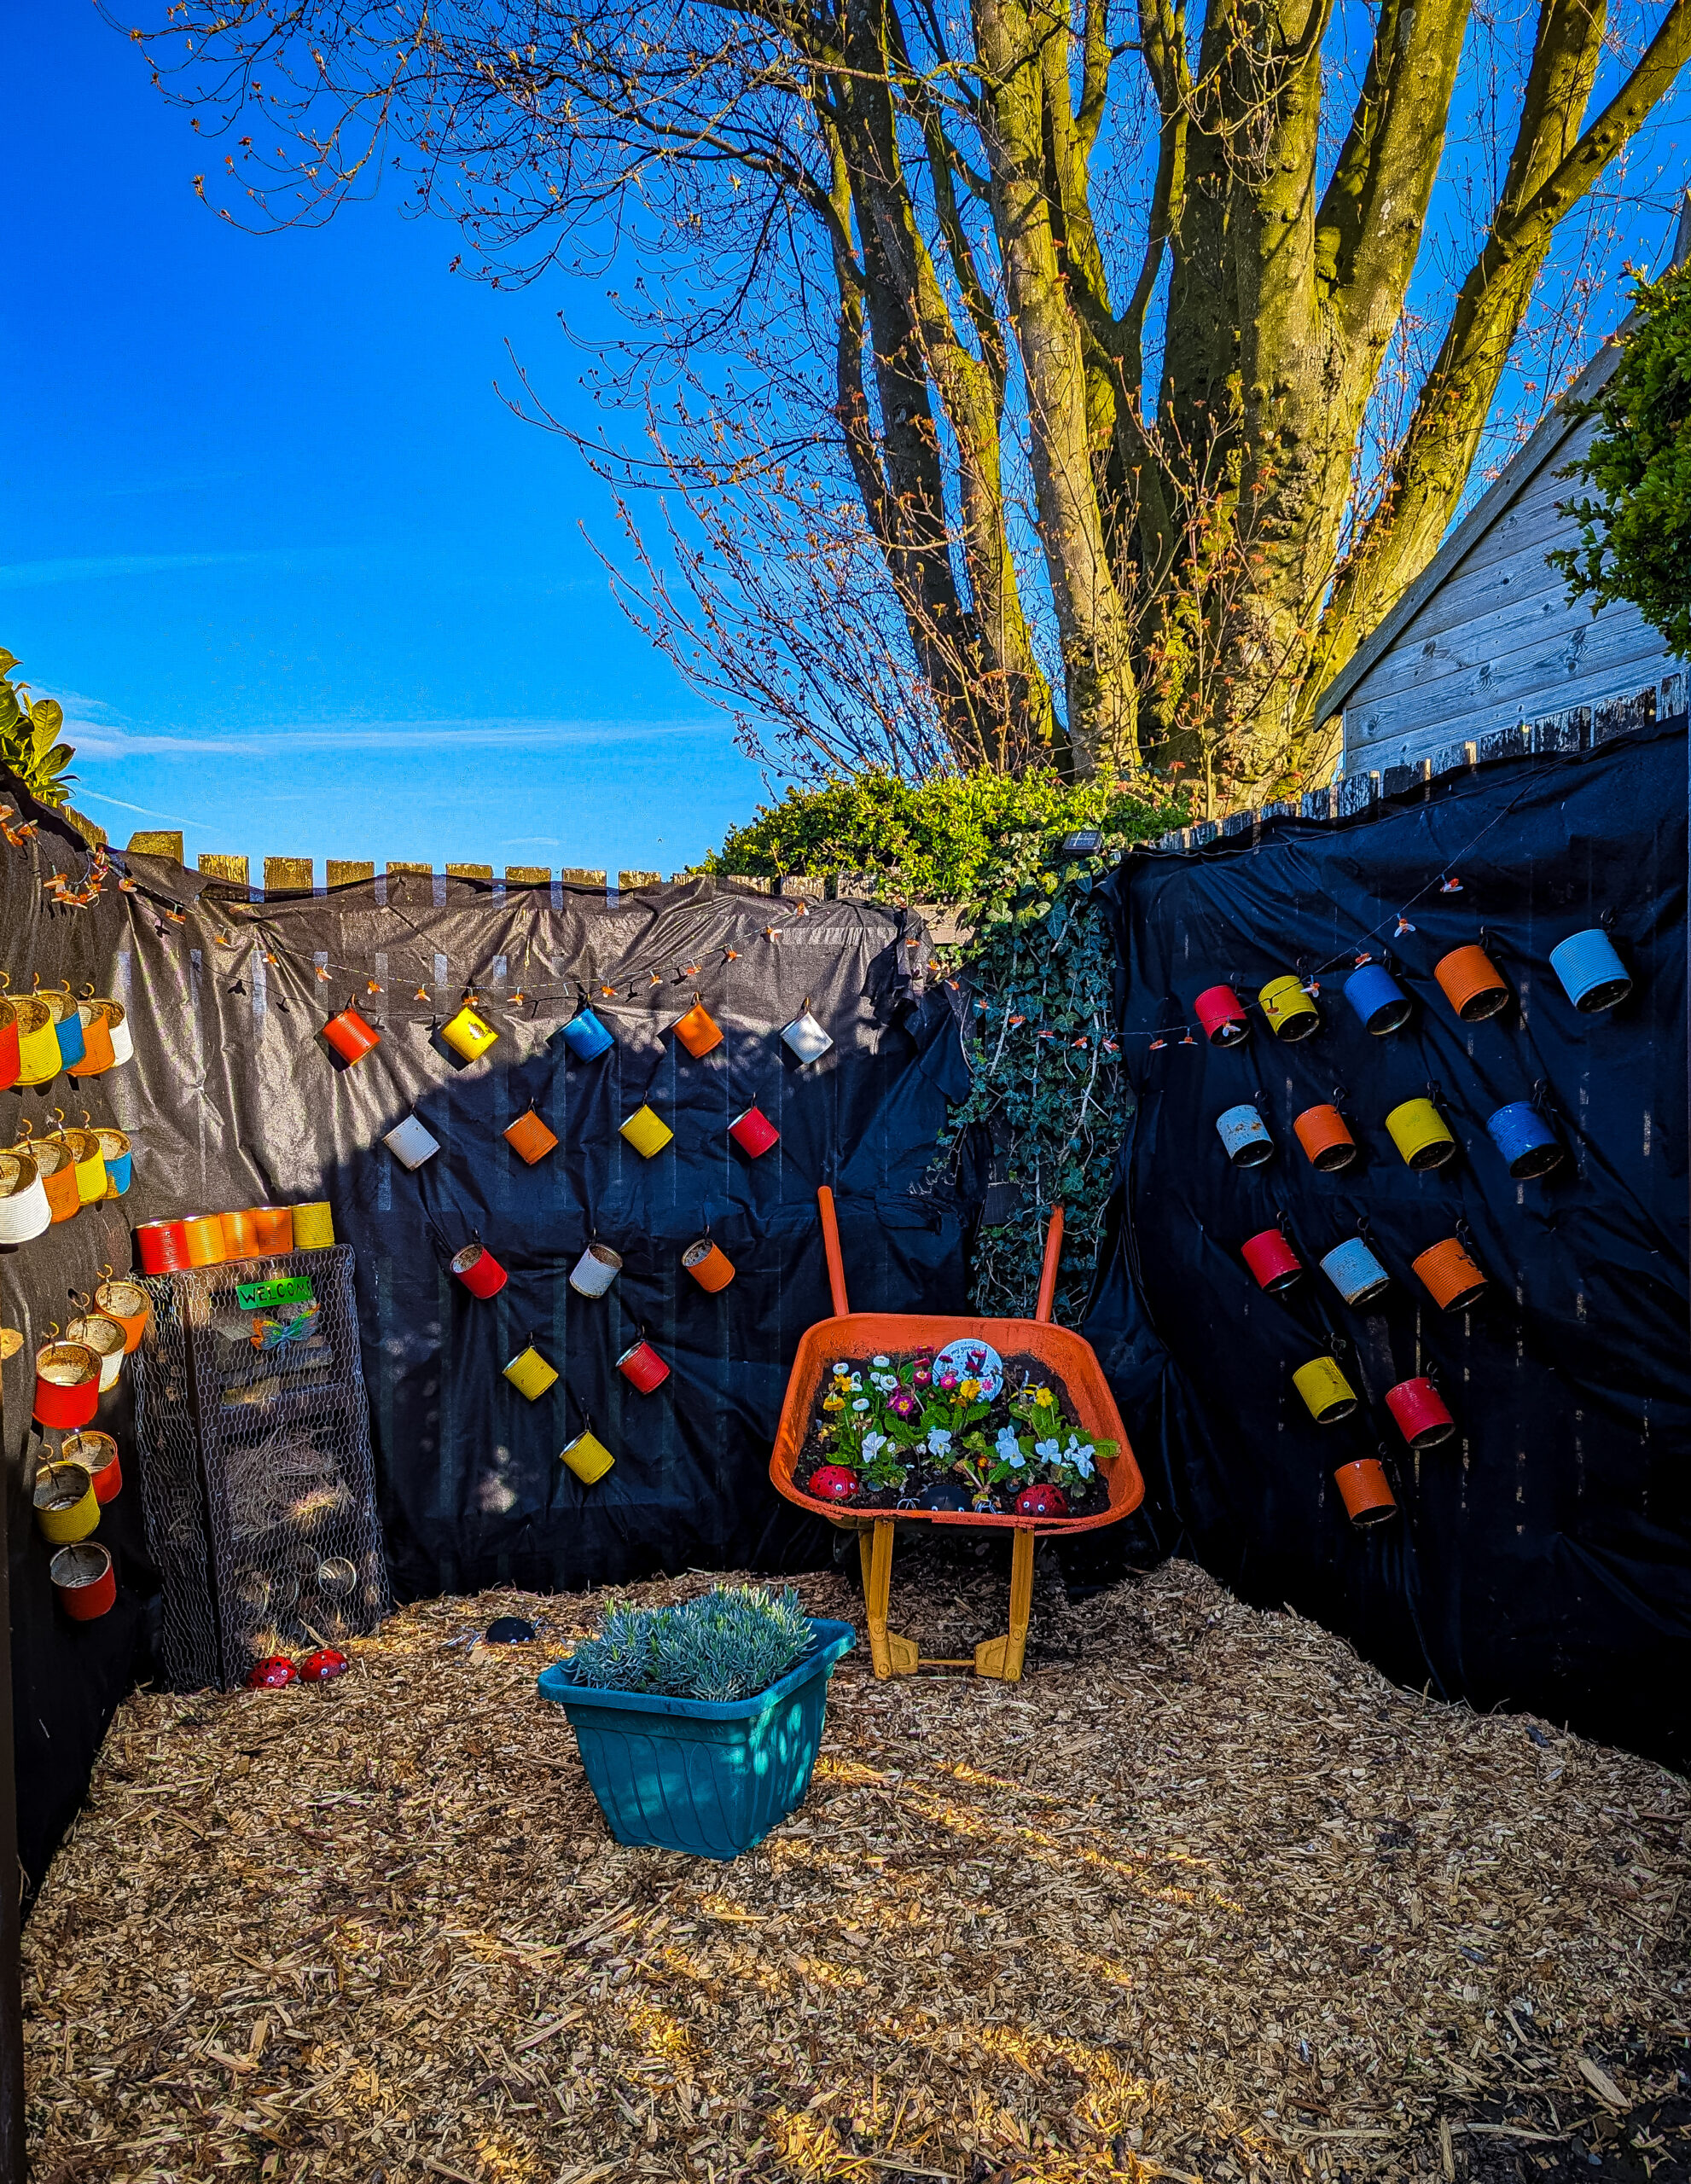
point(105, 1271)
point(58, 1115)
point(1340, 1094)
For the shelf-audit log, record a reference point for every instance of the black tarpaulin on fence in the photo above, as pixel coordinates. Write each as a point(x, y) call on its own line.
point(1542, 1559)
point(232, 1099)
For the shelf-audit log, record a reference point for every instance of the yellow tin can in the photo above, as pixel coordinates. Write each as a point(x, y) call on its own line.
point(1290, 1012)
point(313, 1226)
point(529, 1374)
point(39, 1055)
point(468, 1034)
point(647, 1133)
point(1421, 1134)
point(66, 1507)
point(1328, 1394)
point(89, 1156)
point(588, 1457)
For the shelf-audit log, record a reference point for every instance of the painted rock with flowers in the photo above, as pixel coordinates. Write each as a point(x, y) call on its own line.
point(962, 1429)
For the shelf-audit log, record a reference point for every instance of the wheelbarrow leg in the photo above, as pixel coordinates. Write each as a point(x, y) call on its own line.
point(892, 1654)
point(1001, 1657)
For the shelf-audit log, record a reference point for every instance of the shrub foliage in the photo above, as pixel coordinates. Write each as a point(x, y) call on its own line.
point(730, 1643)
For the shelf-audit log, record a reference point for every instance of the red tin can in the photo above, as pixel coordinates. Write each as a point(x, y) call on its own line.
point(1221, 1014)
point(753, 1132)
point(350, 1035)
point(480, 1273)
point(163, 1245)
point(1366, 1491)
point(1272, 1260)
point(84, 1580)
point(66, 1385)
point(642, 1364)
point(1422, 1416)
point(97, 1454)
point(8, 1045)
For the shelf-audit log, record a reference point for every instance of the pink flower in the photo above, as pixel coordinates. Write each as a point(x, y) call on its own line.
point(903, 1405)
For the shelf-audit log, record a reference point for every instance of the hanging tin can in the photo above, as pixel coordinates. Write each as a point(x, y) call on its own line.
point(585, 1036)
point(1325, 1136)
point(1290, 1012)
point(105, 1338)
point(117, 1023)
point(97, 1454)
point(804, 1038)
point(67, 1026)
point(1381, 1003)
point(1244, 1135)
point(1524, 1138)
point(87, 1161)
point(529, 1138)
point(273, 1227)
point(83, 1577)
point(709, 1265)
point(698, 1030)
point(641, 1365)
point(410, 1143)
point(313, 1226)
point(647, 1133)
point(1421, 1134)
point(595, 1271)
point(1472, 983)
point(753, 1132)
point(529, 1374)
point(58, 1176)
point(1452, 1278)
point(1365, 1492)
point(1355, 1272)
point(350, 1035)
point(587, 1457)
point(8, 1043)
point(67, 1509)
point(163, 1246)
point(1221, 1013)
point(480, 1273)
point(66, 1386)
point(98, 1054)
point(24, 1213)
point(241, 1233)
point(1272, 1260)
point(203, 1233)
point(117, 1154)
point(1593, 976)
point(128, 1303)
point(1422, 1417)
point(468, 1033)
point(38, 1057)
point(1327, 1395)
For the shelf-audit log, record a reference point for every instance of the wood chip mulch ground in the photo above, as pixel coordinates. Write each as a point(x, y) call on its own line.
point(1202, 1898)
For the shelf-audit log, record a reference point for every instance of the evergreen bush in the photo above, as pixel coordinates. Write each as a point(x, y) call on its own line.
point(730, 1643)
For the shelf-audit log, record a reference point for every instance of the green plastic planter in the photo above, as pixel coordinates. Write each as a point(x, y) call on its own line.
point(683, 1774)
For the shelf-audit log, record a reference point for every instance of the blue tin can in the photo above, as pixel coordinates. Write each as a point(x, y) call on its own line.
point(1524, 1138)
point(72, 1047)
point(1592, 973)
point(1244, 1135)
point(1355, 1272)
point(1377, 999)
point(585, 1036)
point(118, 1175)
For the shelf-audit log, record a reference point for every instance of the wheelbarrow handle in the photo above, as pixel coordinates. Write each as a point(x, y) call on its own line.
point(1047, 1271)
point(830, 1244)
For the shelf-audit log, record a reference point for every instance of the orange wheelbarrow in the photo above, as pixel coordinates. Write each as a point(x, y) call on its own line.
point(1067, 1356)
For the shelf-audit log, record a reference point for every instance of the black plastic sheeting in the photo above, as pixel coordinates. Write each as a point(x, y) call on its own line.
point(233, 1099)
point(1543, 1558)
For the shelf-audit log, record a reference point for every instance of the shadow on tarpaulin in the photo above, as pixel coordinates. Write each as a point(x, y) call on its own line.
point(233, 1099)
point(1541, 1558)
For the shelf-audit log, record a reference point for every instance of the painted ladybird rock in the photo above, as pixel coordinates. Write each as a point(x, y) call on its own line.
point(323, 1666)
point(1041, 1502)
point(273, 1673)
point(834, 1483)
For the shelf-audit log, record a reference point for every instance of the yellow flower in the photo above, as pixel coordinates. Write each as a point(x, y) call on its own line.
point(968, 1390)
point(833, 1402)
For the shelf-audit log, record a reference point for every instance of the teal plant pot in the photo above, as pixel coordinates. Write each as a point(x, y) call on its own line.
point(685, 1775)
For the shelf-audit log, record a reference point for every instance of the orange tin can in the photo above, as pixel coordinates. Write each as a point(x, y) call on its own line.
point(1473, 985)
point(1325, 1136)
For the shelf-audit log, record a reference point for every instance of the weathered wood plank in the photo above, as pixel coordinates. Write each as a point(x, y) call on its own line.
point(217, 864)
point(289, 875)
point(528, 875)
point(582, 875)
point(344, 872)
point(482, 873)
point(157, 842)
point(628, 883)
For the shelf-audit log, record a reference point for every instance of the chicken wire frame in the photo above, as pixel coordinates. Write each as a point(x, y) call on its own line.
point(257, 1482)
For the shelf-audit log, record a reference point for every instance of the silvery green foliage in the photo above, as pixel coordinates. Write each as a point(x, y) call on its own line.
point(730, 1643)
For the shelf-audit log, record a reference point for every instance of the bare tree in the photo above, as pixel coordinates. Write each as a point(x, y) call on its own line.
point(1028, 385)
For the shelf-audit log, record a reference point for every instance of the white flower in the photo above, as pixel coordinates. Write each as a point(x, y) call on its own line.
point(1009, 1453)
point(862, 1404)
point(880, 1361)
point(1048, 1450)
point(856, 1380)
point(939, 1439)
point(842, 1368)
point(873, 1445)
point(1081, 1461)
point(884, 1381)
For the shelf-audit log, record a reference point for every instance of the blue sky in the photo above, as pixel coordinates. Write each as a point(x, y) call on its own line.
point(301, 581)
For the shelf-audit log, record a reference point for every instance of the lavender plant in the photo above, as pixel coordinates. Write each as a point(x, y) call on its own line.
point(730, 1643)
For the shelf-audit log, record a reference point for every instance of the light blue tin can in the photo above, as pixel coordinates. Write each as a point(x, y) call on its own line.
point(114, 1150)
point(1377, 999)
point(1524, 1138)
point(1355, 1272)
point(586, 1036)
point(1591, 971)
point(1244, 1133)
